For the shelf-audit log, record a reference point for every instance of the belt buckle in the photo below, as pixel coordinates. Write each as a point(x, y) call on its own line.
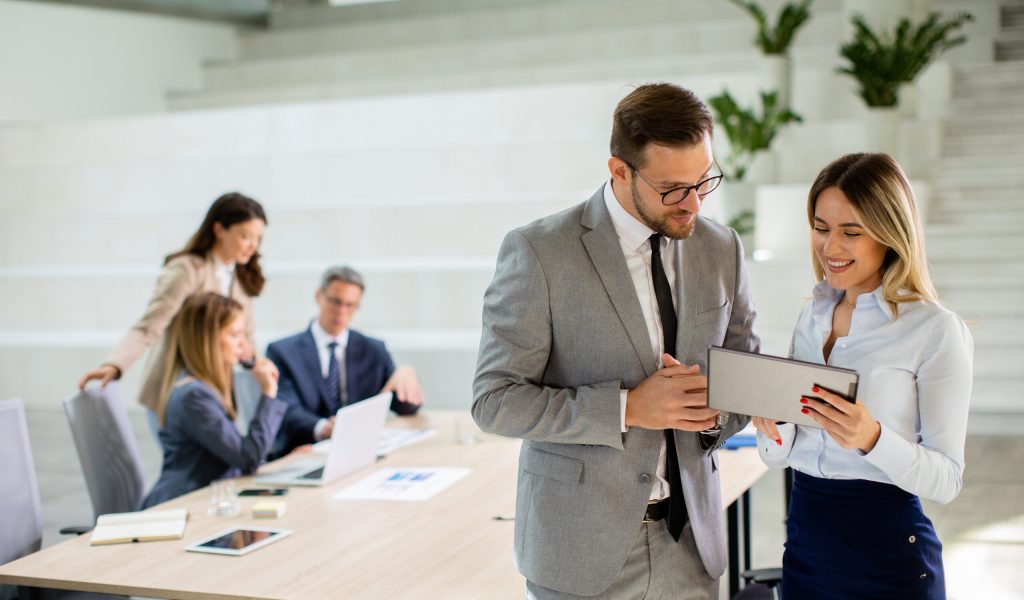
point(650, 503)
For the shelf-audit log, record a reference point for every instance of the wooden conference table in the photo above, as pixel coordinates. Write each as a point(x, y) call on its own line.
point(450, 546)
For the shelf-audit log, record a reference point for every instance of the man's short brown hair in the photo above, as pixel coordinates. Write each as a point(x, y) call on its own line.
point(659, 113)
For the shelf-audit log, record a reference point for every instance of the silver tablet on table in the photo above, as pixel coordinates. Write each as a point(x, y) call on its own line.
point(239, 541)
point(767, 386)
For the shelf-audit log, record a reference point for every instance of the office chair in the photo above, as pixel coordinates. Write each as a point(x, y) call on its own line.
point(764, 584)
point(21, 511)
point(106, 449)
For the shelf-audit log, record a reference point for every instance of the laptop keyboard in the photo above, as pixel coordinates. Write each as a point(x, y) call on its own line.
point(316, 474)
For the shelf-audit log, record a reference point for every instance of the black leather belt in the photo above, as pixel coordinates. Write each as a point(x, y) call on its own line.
point(656, 510)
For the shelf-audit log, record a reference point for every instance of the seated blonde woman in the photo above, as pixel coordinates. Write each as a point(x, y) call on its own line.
point(196, 410)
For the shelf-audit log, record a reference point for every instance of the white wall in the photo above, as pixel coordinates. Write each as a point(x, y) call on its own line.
point(61, 62)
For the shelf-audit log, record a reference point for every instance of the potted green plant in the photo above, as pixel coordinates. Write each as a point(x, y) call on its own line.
point(775, 41)
point(881, 63)
point(749, 135)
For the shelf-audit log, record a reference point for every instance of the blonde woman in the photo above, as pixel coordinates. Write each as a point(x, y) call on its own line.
point(196, 412)
point(221, 256)
point(855, 526)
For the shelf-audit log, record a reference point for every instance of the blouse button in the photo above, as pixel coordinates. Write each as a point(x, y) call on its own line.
point(924, 575)
point(912, 539)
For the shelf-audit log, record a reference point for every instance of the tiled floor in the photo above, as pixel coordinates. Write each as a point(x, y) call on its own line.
point(982, 530)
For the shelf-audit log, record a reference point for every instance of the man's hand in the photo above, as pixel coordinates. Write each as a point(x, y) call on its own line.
point(676, 397)
point(405, 385)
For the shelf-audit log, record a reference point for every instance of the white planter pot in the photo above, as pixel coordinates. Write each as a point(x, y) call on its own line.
point(882, 130)
point(734, 198)
point(779, 75)
point(780, 226)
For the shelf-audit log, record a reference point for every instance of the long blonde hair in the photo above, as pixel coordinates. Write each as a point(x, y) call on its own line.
point(195, 347)
point(882, 198)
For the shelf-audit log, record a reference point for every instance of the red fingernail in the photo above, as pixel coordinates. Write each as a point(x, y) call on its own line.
point(778, 441)
point(815, 389)
point(804, 410)
point(803, 401)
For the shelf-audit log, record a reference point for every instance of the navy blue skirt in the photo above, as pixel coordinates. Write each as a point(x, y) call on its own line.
point(856, 539)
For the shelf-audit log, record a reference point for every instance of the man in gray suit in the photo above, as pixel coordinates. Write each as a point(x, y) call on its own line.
point(618, 492)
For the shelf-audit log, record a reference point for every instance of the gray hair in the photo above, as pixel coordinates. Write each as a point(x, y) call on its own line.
point(342, 273)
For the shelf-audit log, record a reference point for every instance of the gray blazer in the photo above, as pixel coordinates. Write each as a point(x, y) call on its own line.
point(201, 443)
point(563, 332)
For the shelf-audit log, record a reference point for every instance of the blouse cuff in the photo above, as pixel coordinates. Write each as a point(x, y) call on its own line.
point(891, 453)
point(773, 454)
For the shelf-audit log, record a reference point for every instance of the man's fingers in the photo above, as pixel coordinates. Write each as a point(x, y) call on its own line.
point(678, 369)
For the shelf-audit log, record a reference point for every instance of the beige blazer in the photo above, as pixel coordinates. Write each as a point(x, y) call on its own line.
point(182, 277)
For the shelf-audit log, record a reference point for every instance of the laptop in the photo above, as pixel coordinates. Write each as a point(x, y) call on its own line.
point(357, 429)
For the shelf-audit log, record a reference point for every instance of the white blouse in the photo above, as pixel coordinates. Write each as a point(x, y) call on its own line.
point(915, 379)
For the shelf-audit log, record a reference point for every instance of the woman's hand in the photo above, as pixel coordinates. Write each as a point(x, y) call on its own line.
point(105, 374)
point(849, 423)
point(266, 376)
point(767, 427)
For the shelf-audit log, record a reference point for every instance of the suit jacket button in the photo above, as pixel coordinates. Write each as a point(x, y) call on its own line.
point(645, 478)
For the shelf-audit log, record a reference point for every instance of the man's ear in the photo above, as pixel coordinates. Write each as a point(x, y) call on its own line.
point(619, 169)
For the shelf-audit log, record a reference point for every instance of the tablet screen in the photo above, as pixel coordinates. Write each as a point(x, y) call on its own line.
point(237, 542)
point(238, 539)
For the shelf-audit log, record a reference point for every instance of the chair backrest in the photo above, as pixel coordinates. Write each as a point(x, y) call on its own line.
point(21, 512)
point(106, 449)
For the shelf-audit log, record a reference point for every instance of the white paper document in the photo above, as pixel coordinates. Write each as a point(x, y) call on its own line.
point(403, 484)
point(391, 439)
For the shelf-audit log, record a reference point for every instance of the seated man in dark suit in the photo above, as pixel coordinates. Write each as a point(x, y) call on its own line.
point(328, 366)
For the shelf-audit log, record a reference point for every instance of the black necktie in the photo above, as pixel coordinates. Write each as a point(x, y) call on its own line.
point(333, 382)
point(663, 293)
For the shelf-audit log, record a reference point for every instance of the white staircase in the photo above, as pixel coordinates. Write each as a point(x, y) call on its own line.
point(974, 233)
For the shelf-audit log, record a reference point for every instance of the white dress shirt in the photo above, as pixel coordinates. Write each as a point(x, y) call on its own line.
point(634, 239)
point(915, 379)
point(321, 339)
point(225, 273)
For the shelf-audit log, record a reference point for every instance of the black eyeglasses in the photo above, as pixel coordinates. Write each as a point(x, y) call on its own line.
point(677, 195)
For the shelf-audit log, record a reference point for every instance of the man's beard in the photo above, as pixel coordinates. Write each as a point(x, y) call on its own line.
point(663, 224)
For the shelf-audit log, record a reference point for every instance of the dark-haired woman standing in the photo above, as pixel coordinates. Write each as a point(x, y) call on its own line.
point(223, 257)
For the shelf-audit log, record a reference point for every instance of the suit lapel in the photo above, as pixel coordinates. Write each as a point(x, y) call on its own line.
point(310, 359)
point(687, 266)
point(605, 251)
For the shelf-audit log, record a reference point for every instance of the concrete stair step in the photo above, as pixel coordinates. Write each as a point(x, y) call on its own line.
point(974, 244)
point(998, 361)
point(980, 304)
point(506, 22)
point(402, 296)
point(661, 40)
point(955, 272)
point(982, 73)
point(999, 333)
point(44, 372)
point(997, 394)
point(984, 144)
point(1008, 101)
point(1009, 50)
point(381, 231)
point(987, 172)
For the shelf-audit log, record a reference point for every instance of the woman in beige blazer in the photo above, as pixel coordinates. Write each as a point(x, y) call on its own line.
point(222, 256)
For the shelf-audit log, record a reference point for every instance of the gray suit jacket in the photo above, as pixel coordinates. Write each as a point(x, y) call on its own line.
point(563, 332)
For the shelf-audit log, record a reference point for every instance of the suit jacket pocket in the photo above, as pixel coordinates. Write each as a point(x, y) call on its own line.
point(553, 466)
point(713, 314)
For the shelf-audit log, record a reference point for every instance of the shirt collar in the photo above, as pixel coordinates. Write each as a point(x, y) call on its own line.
point(223, 267)
point(631, 231)
point(322, 338)
point(873, 306)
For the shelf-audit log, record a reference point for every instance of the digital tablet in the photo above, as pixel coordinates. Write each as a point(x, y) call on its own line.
point(239, 541)
point(767, 386)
